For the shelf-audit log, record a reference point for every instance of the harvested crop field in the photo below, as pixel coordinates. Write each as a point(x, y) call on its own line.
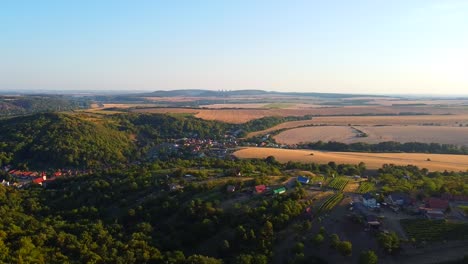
point(162, 110)
point(418, 120)
point(376, 134)
point(312, 134)
point(221, 106)
point(438, 162)
point(245, 115)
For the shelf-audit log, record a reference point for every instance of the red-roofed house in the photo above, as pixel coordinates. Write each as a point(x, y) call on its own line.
point(436, 203)
point(38, 180)
point(260, 188)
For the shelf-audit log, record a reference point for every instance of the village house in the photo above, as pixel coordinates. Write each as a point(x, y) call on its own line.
point(399, 199)
point(369, 201)
point(435, 208)
point(260, 188)
point(370, 220)
point(279, 190)
point(303, 180)
point(436, 203)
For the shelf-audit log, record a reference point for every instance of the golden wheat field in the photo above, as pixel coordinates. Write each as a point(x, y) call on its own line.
point(313, 134)
point(375, 134)
point(438, 162)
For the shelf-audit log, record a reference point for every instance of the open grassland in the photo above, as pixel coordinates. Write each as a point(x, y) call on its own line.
point(376, 134)
point(417, 120)
point(439, 162)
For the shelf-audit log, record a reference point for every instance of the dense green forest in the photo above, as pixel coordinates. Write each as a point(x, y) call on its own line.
point(131, 216)
point(60, 140)
point(29, 104)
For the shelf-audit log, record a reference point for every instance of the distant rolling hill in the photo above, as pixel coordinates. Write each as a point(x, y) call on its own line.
point(29, 104)
point(237, 93)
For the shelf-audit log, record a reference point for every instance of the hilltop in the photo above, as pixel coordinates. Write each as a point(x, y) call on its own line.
point(61, 140)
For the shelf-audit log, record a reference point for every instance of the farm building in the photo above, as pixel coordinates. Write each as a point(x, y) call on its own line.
point(260, 188)
point(369, 201)
point(280, 190)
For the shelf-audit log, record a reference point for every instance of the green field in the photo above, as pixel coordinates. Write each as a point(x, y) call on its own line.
point(365, 187)
point(330, 202)
point(432, 230)
point(338, 183)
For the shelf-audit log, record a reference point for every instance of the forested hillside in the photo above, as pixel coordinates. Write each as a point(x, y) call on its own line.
point(22, 105)
point(60, 140)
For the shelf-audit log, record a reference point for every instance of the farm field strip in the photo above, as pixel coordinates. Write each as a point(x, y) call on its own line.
point(432, 230)
point(439, 162)
point(245, 115)
point(338, 183)
point(375, 134)
point(365, 187)
point(417, 120)
point(330, 202)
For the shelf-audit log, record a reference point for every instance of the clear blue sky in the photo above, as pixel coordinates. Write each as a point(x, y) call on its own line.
point(373, 46)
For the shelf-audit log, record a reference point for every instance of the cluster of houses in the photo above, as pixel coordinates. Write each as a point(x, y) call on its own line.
point(263, 189)
point(194, 147)
point(431, 208)
point(23, 178)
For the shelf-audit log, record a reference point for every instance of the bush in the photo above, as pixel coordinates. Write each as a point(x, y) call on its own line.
point(335, 240)
point(390, 242)
point(368, 257)
point(318, 239)
point(345, 248)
